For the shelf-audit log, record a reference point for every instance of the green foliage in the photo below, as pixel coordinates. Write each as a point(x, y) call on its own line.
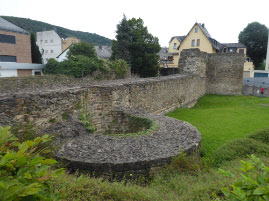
point(136, 46)
point(24, 174)
point(253, 183)
point(261, 135)
point(36, 26)
point(85, 116)
point(83, 61)
point(82, 49)
point(255, 37)
point(120, 67)
point(36, 55)
point(239, 148)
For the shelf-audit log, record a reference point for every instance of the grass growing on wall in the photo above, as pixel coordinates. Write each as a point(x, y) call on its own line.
point(224, 118)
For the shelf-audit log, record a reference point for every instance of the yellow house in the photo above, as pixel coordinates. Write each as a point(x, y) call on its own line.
point(199, 37)
point(69, 41)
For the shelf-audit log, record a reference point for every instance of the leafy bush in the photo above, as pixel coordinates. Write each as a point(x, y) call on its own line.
point(261, 135)
point(24, 174)
point(120, 67)
point(239, 148)
point(83, 49)
point(253, 183)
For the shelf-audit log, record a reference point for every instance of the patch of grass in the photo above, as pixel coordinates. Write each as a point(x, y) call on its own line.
point(239, 148)
point(223, 118)
point(84, 187)
point(154, 126)
point(65, 116)
point(53, 120)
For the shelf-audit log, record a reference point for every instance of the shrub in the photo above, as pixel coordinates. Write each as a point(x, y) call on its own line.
point(253, 183)
point(24, 174)
point(239, 148)
point(120, 67)
point(261, 135)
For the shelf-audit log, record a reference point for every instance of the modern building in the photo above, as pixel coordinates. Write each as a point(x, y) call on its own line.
point(15, 52)
point(15, 43)
point(49, 43)
point(199, 37)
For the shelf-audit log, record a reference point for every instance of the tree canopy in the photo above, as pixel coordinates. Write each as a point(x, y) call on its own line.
point(255, 37)
point(82, 48)
point(137, 46)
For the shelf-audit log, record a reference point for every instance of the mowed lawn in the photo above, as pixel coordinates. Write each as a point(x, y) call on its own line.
point(223, 118)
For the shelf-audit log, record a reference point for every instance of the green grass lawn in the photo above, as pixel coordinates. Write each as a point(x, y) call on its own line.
point(224, 118)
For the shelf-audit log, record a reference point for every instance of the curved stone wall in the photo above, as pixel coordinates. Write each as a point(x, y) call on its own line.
point(104, 153)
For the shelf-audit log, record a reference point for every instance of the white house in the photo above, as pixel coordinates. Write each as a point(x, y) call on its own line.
point(49, 43)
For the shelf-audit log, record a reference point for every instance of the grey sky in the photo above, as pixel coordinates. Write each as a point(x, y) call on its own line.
point(224, 19)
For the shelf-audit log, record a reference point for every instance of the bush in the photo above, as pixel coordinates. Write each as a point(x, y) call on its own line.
point(24, 174)
point(253, 183)
point(239, 148)
point(120, 67)
point(261, 135)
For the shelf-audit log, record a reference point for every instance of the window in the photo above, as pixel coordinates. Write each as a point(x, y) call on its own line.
point(51, 41)
point(198, 43)
point(41, 41)
point(175, 46)
point(7, 58)
point(7, 39)
point(37, 72)
point(46, 51)
point(196, 30)
point(241, 51)
point(46, 41)
point(225, 50)
point(51, 51)
point(193, 43)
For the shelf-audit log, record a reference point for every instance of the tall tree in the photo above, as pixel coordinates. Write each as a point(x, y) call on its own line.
point(36, 55)
point(143, 49)
point(137, 47)
point(255, 37)
point(120, 47)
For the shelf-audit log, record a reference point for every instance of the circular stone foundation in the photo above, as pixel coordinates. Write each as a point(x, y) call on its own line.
point(104, 153)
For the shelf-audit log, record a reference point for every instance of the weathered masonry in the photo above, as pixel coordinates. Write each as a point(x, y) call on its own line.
point(200, 73)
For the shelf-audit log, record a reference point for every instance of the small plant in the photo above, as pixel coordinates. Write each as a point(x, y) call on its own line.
point(24, 174)
point(53, 120)
point(84, 116)
point(253, 183)
point(65, 116)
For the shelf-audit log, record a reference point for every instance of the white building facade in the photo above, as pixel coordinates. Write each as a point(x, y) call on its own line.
point(49, 43)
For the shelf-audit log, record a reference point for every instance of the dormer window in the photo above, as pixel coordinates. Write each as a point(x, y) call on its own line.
point(175, 46)
point(196, 30)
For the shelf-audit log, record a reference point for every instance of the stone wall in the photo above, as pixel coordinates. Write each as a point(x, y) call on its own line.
point(223, 71)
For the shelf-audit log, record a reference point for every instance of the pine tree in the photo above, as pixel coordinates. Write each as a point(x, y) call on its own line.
point(120, 47)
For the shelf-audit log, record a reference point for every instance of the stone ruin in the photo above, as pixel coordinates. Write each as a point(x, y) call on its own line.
point(111, 106)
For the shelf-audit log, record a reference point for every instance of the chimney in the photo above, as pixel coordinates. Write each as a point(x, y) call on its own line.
point(203, 25)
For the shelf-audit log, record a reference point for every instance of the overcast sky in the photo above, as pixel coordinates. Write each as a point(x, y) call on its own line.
point(224, 19)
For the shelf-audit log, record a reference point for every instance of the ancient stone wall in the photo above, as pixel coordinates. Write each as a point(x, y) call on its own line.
point(225, 74)
point(223, 71)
